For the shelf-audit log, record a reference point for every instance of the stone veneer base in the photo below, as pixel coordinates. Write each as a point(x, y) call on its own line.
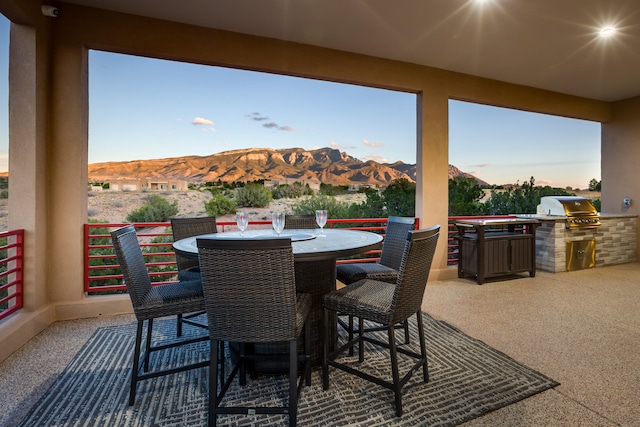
point(615, 241)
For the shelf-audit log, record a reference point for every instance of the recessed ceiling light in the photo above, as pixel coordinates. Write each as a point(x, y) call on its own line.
point(607, 31)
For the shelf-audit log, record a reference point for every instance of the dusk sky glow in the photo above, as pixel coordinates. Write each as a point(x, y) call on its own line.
point(143, 108)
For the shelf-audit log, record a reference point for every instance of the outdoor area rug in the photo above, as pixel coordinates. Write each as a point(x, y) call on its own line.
point(467, 379)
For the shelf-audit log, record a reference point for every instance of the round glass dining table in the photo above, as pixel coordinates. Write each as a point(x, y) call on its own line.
point(315, 263)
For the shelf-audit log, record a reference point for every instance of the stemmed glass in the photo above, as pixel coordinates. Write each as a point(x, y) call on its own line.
point(277, 221)
point(242, 220)
point(321, 219)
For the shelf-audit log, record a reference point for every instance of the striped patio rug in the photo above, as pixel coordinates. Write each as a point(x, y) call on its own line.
point(467, 379)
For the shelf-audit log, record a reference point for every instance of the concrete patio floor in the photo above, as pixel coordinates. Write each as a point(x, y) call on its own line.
point(580, 328)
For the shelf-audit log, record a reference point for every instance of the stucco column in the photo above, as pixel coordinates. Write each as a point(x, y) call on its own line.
point(432, 184)
point(27, 160)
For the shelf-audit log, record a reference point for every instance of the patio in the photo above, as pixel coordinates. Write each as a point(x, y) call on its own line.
point(580, 328)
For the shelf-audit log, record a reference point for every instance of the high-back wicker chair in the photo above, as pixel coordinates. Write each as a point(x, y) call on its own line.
point(250, 297)
point(189, 269)
point(386, 269)
point(292, 222)
point(390, 258)
point(152, 302)
point(385, 304)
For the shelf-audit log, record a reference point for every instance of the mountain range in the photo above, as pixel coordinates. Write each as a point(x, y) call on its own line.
point(325, 165)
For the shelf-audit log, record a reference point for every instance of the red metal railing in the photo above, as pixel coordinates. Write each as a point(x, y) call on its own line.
point(102, 271)
point(11, 244)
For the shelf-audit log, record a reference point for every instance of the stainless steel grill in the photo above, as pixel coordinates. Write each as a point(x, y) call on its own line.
point(579, 211)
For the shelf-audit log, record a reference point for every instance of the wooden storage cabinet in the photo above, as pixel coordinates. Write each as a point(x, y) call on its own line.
point(486, 253)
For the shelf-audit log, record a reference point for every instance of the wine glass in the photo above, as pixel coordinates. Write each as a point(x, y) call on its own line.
point(242, 220)
point(277, 221)
point(321, 219)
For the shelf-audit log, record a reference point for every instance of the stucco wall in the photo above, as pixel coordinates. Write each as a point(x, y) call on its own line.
point(620, 154)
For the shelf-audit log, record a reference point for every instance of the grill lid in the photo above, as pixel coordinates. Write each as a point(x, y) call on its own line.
point(579, 211)
point(566, 206)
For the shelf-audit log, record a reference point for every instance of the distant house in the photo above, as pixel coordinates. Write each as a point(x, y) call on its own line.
point(146, 185)
point(354, 188)
point(272, 183)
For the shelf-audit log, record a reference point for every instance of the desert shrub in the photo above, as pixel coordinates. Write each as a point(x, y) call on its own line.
point(93, 212)
point(335, 208)
point(333, 190)
point(4, 194)
point(157, 209)
point(117, 203)
point(282, 191)
point(219, 205)
point(253, 195)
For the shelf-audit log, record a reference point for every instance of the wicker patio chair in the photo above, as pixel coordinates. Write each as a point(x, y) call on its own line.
point(292, 222)
point(250, 297)
point(152, 302)
point(386, 269)
point(385, 304)
point(189, 269)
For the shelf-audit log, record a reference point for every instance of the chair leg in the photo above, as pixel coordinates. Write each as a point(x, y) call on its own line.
point(325, 350)
point(136, 363)
point(397, 390)
point(221, 360)
point(360, 339)
point(147, 346)
point(423, 347)
point(243, 366)
point(213, 383)
point(307, 350)
point(293, 383)
point(179, 326)
point(406, 331)
point(350, 333)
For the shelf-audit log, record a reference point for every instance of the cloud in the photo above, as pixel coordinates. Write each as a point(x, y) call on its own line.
point(339, 146)
point(257, 117)
point(544, 182)
point(275, 126)
point(378, 159)
point(372, 144)
point(201, 121)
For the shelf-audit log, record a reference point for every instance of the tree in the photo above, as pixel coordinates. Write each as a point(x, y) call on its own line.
point(464, 196)
point(372, 207)
point(400, 198)
point(595, 185)
point(520, 199)
point(157, 209)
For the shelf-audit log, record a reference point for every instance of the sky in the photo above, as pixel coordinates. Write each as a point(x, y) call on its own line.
point(141, 108)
